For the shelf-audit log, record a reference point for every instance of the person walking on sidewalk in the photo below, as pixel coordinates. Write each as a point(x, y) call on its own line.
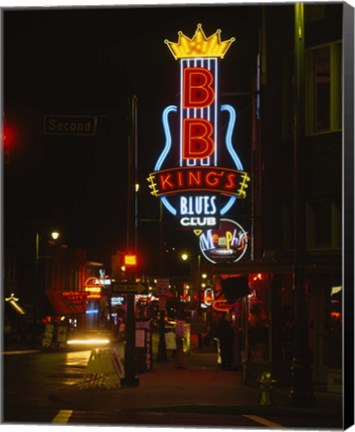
point(224, 333)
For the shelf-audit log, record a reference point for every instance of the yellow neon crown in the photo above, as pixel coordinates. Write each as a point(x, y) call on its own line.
point(199, 46)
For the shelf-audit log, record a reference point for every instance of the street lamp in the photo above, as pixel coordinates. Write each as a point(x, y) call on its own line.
point(54, 235)
point(184, 256)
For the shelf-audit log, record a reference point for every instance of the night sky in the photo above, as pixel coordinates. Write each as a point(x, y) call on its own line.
point(88, 61)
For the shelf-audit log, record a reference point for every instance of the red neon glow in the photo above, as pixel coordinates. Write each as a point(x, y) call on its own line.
point(208, 296)
point(76, 297)
point(198, 91)
point(197, 139)
point(256, 277)
point(221, 305)
point(93, 281)
point(8, 136)
point(214, 179)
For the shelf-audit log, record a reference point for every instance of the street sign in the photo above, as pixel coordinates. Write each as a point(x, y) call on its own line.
point(129, 287)
point(69, 125)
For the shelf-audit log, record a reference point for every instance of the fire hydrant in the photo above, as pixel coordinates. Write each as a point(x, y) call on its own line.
point(266, 386)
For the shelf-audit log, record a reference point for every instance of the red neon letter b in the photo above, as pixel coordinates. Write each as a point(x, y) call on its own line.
point(197, 139)
point(198, 90)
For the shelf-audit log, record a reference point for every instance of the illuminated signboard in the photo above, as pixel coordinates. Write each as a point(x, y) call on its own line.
point(93, 287)
point(75, 297)
point(94, 293)
point(224, 244)
point(198, 191)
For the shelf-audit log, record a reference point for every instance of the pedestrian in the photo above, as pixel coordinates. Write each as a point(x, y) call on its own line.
point(224, 333)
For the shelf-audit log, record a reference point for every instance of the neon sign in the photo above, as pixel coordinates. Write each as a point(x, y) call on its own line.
point(208, 296)
point(93, 288)
point(225, 244)
point(198, 191)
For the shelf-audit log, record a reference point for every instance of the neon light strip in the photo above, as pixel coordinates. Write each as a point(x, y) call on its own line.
point(212, 65)
point(216, 111)
point(166, 112)
point(229, 204)
point(168, 206)
point(189, 162)
point(232, 119)
point(236, 160)
point(88, 341)
point(181, 110)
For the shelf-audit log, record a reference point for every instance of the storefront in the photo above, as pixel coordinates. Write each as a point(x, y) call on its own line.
point(264, 322)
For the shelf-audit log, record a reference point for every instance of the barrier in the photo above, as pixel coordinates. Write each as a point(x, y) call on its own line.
point(104, 370)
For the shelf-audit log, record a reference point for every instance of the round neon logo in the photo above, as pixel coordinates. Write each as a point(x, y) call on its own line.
point(226, 244)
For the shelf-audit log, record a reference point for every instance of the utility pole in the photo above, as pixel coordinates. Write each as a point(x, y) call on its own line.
point(130, 378)
point(301, 392)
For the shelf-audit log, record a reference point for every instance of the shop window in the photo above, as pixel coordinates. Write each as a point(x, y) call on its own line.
point(323, 225)
point(323, 96)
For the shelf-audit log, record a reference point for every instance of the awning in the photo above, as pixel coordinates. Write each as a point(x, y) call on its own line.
point(63, 305)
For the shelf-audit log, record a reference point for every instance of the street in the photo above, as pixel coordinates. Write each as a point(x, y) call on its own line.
point(30, 378)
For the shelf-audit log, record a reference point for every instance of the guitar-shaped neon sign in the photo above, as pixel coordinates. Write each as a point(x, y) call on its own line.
point(198, 191)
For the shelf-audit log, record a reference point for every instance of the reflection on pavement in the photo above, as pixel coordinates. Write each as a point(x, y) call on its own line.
point(77, 358)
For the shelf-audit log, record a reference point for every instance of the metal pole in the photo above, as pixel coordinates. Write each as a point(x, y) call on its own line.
point(35, 293)
point(162, 355)
point(130, 378)
point(301, 392)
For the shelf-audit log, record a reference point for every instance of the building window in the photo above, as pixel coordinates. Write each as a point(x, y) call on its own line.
point(323, 225)
point(323, 89)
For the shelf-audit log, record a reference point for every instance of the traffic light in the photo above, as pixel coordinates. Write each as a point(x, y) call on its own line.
point(130, 260)
point(7, 138)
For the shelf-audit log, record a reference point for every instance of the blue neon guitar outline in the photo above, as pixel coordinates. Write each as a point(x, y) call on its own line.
point(168, 141)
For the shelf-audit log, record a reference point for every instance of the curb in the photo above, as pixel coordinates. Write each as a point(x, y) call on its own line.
point(75, 398)
point(244, 409)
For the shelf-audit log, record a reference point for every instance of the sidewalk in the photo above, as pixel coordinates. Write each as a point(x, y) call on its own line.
point(201, 386)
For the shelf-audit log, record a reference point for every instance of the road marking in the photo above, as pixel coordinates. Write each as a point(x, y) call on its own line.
point(63, 416)
point(264, 422)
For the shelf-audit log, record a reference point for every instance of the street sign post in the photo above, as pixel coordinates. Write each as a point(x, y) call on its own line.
point(129, 288)
point(69, 125)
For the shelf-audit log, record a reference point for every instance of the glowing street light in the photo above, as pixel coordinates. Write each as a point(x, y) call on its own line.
point(55, 235)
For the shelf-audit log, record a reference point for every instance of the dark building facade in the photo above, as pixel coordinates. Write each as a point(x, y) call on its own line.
point(295, 266)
